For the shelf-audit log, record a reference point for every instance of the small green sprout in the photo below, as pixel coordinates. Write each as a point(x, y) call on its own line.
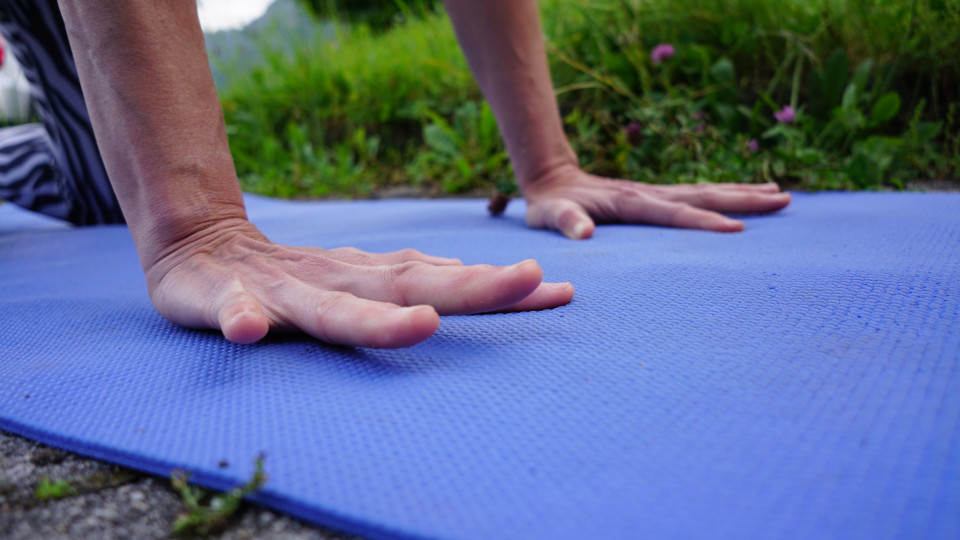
point(201, 518)
point(47, 489)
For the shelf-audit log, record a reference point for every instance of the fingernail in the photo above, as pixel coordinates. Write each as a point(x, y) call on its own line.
point(577, 232)
point(410, 310)
point(521, 263)
point(560, 286)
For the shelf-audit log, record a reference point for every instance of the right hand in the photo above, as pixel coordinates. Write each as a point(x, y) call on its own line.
point(571, 201)
point(233, 279)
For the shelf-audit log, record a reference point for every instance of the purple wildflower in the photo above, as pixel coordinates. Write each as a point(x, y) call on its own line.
point(785, 115)
point(634, 133)
point(661, 52)
point(753, 146)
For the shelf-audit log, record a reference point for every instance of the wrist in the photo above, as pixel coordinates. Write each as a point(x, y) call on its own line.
point(533, 163)
point(205, 238)
point(549, 176)
point(176, 213)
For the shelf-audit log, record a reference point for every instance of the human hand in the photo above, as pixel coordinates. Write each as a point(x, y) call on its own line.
point(232, 278)
point(570, 201)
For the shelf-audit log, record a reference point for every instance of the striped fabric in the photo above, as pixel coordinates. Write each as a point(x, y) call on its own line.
point(54, 168)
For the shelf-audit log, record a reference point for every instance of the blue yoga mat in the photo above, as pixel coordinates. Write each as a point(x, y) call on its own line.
point(797, 380)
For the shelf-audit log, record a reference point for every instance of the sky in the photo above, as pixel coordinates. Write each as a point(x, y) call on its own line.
point(225, 14)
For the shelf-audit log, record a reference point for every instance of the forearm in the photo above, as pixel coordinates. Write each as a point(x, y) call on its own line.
point(155, 112)
point(504, 46)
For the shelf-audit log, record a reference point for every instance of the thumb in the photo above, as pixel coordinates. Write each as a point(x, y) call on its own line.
point(241, 318)
point(561, 215)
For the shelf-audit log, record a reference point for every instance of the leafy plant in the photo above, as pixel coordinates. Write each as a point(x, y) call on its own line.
point(206, 512)
point(376, 13)
point(46, 489)
point(373, 107)
point(697, 117)
point(464, 153)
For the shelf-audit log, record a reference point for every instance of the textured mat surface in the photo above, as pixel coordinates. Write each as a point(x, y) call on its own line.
point(798, 380)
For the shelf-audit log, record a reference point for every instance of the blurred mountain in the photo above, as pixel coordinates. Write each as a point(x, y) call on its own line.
point(284, 25)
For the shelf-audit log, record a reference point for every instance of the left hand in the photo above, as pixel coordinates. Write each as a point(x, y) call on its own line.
point(228, 276)
point(571, 201)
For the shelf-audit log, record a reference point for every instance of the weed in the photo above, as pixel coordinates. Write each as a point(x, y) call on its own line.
point(48, 490)
point(376, 13)
point(464, 152)
point(206, 512)
point(711, 112)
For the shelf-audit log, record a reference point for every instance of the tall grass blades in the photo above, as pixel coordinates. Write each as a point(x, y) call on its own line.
point(871, 88)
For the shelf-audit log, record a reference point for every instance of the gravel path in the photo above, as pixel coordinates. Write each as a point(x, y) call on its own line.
point(111, 502)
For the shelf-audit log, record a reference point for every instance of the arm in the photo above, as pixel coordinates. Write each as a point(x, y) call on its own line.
point(503, 43)
point(158, 123)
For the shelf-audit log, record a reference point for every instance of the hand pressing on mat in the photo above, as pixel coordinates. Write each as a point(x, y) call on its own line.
point(570, 201)
point(162, 138)
point(233, 279)
point(503, 42)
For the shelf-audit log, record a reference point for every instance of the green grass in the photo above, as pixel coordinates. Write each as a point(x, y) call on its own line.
point(873, 112)
point(342, 116)
point(876, 84)
point(47, 489)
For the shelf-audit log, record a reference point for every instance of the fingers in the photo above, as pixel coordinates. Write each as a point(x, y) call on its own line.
point(546, 296)
point(767, 187)
point(561, 215)
point(737, 198)
point(641, 208)
point(342, 318)
point(359, 304)
point(452, 290)
point(450, 287)
point(356, 256)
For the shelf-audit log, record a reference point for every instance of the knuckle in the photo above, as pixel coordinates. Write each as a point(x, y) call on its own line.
point(706, 195)
point(628, 200)
point(398, 278)
point(405, 269)
point(329, 302)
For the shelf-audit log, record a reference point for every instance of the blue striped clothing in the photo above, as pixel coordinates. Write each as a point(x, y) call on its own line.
point(53, 167)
